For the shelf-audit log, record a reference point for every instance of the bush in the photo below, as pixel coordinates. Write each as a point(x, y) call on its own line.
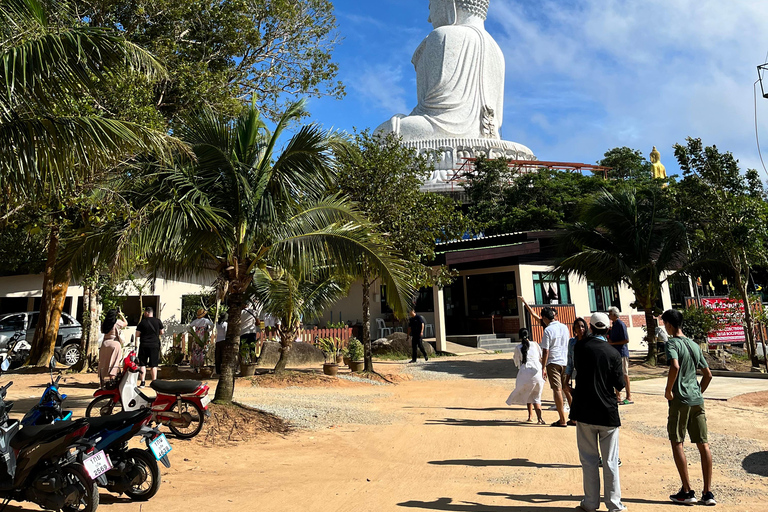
point(355, 350)
point(698, 322)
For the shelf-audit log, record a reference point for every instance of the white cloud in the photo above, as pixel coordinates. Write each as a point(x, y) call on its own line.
point(380, 84)
point(606, 73)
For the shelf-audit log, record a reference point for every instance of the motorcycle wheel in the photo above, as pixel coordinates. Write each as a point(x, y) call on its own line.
point(102, 406)
point(147, 464)
point(89, 499)
point(196, 414)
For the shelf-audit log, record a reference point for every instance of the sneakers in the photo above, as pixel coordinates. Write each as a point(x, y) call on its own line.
point(708, 499)
point(685, 498)
point(142, 383)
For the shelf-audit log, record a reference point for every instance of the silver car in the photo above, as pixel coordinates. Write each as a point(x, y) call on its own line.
point(67, 343)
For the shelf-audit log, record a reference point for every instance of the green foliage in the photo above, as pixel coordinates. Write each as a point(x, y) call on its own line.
point(172, 356)
point(355, 349)
point(221, 54)
point(384, 178)
point(627, 164)
point(330, 347)
point(248, 353)
point(191, 303)
point(698, 322)
point(22, 251)
point(336, 325)
point(509, 200)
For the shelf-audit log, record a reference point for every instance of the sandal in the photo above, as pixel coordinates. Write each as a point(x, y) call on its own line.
point(529, 420)
point(541, 422)
point(626, 402)
point(558, 424)
point(571, 423)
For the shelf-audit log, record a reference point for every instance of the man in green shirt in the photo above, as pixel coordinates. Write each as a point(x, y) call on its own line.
point(686, 406)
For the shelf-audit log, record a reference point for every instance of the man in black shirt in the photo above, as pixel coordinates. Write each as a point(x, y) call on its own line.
point(148, 333)
point(416, 330)
point(596, 412)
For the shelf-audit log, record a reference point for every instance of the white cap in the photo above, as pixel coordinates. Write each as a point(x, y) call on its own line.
point(600, 321)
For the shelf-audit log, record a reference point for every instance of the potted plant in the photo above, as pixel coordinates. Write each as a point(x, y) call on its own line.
point(169, 362)
point(248, 358)
point(328, 346)
point(339, 352)
point(345, 356)
point(356, 354)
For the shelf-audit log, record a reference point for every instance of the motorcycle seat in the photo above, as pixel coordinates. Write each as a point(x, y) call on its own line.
point(116, 421)
point(33, 433)
point(175, 387)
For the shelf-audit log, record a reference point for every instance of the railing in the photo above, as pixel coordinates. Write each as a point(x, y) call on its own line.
point(312, 335)
point(566, 315)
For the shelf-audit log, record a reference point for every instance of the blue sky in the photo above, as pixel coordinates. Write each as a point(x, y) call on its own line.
point(583, 76)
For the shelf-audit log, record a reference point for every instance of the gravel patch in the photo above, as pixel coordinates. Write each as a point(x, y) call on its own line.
point(363, 380)
point(313, 410)
point(728, 453)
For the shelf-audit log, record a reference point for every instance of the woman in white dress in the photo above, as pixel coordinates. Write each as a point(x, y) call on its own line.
point(530, 382)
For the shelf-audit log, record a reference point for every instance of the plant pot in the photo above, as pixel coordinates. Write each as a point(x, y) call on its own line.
point(331, 369)
point(339, 359)
point(248, 369)
point(167, 372)
point(347, 360)
point(357, 366)
point(206, 372)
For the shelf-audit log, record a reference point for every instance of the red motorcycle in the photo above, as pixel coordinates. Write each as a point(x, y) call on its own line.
point(181, 405)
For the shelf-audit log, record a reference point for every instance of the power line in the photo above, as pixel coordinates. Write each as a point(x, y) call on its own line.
point(757, 134)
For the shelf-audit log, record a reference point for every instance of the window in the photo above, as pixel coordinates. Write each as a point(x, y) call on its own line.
point(679, 290)
point(385, 309)
point(603, 297)
point(547, 290)
point(492, 294)
point(12, 323)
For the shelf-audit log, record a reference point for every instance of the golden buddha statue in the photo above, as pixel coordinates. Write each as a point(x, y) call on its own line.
point(659, 171)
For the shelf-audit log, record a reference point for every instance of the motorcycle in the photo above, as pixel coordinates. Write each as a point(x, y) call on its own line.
point(45, 465)
point(181, 405)
point(133, 472)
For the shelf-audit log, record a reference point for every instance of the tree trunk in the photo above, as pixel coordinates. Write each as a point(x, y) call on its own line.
point(55, 286)
point(287, 335)
point(231, 349)
point(367, 320)
point(749, 324)
point(89, 343)
point(650, 325)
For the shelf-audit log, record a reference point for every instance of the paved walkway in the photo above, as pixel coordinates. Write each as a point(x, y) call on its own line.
point(721, 388)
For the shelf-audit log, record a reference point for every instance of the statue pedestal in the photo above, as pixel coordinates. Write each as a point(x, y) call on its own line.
point(450, 155)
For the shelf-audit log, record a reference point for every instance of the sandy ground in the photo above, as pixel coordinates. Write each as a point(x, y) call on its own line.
point(449, 443)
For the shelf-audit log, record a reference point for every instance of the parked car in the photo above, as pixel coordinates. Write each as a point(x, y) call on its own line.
point(67, 343)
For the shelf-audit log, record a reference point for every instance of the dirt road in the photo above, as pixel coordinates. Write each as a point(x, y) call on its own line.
point(442, 441)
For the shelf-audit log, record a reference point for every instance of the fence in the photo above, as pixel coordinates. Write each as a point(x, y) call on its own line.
point(312, 335)
point(566, 314)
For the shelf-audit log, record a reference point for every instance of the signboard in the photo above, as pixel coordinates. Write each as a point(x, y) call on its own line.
point(726, 309)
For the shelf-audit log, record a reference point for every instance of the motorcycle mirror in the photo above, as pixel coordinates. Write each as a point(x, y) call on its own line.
point(53, 362)
point(5, 364)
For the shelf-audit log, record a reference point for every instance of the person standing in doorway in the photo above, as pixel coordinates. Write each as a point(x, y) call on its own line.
point(416, 331)
point(554, 348)
point(596, 414)
point(619, 338)
point(148, 333)
point(202, 328)
point(686, 406)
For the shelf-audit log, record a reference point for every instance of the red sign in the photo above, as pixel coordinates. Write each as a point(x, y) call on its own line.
point(728, 312)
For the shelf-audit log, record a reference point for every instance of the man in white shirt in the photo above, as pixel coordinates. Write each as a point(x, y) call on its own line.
point(554, 347)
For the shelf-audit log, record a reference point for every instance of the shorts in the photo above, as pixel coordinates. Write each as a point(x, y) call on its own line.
point(149, 356)
point(556, 375)
point(625, 366)
point(690, 418)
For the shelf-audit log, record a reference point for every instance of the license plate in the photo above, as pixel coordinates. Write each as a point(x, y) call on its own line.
point(205, 401)
point(97, 465)
point(160, 446)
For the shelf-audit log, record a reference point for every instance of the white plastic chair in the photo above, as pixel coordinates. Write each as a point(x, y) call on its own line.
point(383, 329)
point(429, 331)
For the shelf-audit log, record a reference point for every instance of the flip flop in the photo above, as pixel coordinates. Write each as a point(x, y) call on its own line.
point(558, 424)
point(626, 402)
point(571, 423)
point(541, 422)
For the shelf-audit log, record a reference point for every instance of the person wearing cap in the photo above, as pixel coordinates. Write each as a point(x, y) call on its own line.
point(554, 349)
point(148, 333)
point(596, 414)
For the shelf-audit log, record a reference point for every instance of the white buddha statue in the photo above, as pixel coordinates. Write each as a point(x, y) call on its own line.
point(459, 75)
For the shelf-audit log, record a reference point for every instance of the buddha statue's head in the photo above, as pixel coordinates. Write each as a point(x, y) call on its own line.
point(655, 156)
point(451, 12)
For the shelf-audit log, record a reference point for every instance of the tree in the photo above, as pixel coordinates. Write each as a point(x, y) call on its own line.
point(293, 298)
point(728, 218)
point(384, 178)
point(627, 164)
point(221, 54)
point(242, 207)
point(506, 199)
point(629, 236)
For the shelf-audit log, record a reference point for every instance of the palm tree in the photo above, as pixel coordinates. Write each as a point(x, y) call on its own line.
point(628, 236)
point(49, 150)
point(242, 208)
point(294, 299)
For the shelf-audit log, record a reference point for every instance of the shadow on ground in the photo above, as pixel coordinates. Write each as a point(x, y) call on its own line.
point(756, 463)
point(468, 506)
point(520, 463)
point(550, 498)
point(496, 368)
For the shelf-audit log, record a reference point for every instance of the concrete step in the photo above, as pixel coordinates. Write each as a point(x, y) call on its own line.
point(494, 342)
point(474, 340)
